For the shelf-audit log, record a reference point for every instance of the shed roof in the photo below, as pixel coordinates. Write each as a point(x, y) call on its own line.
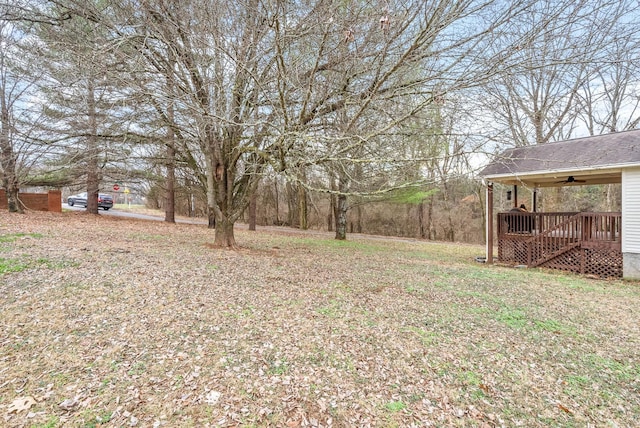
point(590, 160)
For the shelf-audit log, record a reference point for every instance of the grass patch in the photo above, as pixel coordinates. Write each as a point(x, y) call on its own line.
point(554, 326)
point(517, 318)
point(52, 422)
point(513, 317)
point(332, 310)
point(137, 369)
point(427, 338)
point(395, 406)
point(334, 245)
point(578, 385)
point(19, 265)
point(278, 367)
point(608, 367)
point(12, 237)
point(12, 265)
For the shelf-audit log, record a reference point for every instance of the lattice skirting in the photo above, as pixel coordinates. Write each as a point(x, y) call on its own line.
point(604, 263)
point(517, 251)
point(513, 251)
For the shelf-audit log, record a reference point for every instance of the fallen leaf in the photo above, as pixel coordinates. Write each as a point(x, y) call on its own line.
point(21, 403)
point(564, 409)
point(68, 404)
point(213, 397)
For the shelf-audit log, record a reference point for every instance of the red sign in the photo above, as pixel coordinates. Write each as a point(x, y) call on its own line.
point(116, 187)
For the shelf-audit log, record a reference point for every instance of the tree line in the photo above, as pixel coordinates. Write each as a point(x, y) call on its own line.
point(326, 113)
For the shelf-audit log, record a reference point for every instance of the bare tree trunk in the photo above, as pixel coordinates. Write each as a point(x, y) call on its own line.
point(253, 202)
point(277, 201)
point(224, 236)
point(430, 226)
point(190, 201)
point(292, 218)
point(421, 228)
point(8, 160)
point(211, 199)
point(358, 227)
point(302, 208)
point(341, 210)
point(483, 211)
point(9, 178)
point(609, 197)
point(211, 216)
point(93, 178)
point(170, 208)
point(332, 205)
point(341, 217)
point(409, 225)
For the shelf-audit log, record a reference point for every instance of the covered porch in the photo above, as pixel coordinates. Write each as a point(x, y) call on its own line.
point(585, 242)
point(603, 244)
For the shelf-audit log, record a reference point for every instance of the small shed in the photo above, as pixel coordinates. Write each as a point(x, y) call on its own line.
point(604, 244)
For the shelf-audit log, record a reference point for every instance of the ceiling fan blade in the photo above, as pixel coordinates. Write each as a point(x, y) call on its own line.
point(571, 179)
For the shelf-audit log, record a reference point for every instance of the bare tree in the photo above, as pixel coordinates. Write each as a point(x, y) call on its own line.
point(349, 76)
point(85, 110)
point(216, 78)
point(609, 101)
point(19, 148)
point(8, 87)
point(537, 99)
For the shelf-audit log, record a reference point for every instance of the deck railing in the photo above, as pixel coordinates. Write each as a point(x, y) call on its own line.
point(586, 242)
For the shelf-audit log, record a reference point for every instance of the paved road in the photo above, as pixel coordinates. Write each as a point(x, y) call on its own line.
point(118, 213)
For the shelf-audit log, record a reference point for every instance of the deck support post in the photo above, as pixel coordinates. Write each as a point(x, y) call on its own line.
point(489, 224)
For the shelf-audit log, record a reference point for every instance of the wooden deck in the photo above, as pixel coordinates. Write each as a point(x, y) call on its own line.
point(586, 242)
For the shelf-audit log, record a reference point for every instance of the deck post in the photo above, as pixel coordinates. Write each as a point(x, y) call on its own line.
point(489, 224)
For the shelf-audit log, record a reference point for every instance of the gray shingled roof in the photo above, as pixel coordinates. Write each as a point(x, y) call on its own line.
point(586, 157)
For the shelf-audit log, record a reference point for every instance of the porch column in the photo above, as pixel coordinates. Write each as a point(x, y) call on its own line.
point(489, 224)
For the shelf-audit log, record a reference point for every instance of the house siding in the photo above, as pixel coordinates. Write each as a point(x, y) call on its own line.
point(631, 223)
point(631, 211)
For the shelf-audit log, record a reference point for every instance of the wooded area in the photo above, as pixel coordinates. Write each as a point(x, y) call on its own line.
point(353, 116)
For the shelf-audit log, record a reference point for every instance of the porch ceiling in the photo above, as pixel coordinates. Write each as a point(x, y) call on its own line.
point(559, 178)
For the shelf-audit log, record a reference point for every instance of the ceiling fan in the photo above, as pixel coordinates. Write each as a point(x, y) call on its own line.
point(571, 179)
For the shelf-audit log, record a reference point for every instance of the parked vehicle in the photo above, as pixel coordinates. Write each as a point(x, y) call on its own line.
point(104, 201)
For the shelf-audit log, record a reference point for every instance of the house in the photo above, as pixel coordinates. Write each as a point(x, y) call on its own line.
point(604, 244)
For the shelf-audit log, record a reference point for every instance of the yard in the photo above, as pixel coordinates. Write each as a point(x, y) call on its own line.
point(115, 322)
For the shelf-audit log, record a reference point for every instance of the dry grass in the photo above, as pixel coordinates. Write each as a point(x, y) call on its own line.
point(130, 323)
